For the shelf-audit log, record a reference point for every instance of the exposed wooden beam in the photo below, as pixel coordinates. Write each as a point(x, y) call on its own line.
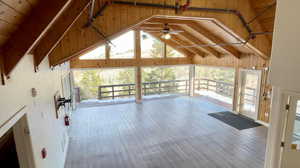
point(181, 42)
point(78, 64)
point(119, 18)
point(214, 39)
point(59, 29)
point(189, 37)
point(30, 32)
point(201, 30)
point(186, 43)
point(174, 45)
point(197, 41)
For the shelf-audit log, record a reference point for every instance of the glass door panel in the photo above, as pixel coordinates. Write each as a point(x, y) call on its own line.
point(249, 93)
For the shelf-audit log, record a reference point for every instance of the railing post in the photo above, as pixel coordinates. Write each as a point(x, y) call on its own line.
point(207, 84)
point(113, 92)
point(129, 90)
point(191, 80)
point(99, 93)
point(145, 88)
point(159, 85)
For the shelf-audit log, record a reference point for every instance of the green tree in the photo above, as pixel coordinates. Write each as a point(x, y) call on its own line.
point(89, 84)
point(126, 76)
point(157, 49)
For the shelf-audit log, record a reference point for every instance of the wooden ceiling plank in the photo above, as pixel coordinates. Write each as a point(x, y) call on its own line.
point(33, 2)
point(30, 32)
point(22, 6)
point(59, 29)
point(10, 15)
point(6, 28)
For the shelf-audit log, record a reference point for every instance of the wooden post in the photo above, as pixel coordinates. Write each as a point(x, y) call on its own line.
point(191, 80)
point(138, 84)
point(113, 92)
point(99, 93)
point(107, 52)
point(138, 69)
point(235, 101)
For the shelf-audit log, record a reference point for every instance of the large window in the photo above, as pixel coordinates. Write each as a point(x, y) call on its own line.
point(151, 47)
point(215, 83)
point(165, 80)
point(172, 53)
point(97, 53)
point(105, 83)
point(123, 46)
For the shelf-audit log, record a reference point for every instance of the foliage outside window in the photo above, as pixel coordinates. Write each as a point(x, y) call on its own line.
point(89, 80)
point(155, 79)
point(217, 83)
point(151, 47)
point(214, 73)
point(172, 53)
point(123, 46)
point(98, 53)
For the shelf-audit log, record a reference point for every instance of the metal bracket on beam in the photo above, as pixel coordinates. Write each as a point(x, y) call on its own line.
point(107, 41)
point(2, 79)
point(216, 10)
point(99, 13)
point(2, 70)
point(92, 17)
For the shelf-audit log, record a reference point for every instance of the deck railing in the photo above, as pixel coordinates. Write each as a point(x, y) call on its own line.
point(148, 88)
point(219, 87)
point(173, 86)
point(225, 89)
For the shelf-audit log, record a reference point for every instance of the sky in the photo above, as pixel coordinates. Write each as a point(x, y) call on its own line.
point(123, 47)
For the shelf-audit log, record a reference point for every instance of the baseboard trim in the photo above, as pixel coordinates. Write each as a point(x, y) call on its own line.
point(262, 123)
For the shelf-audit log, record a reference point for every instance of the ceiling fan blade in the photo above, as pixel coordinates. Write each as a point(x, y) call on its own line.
point(153, 28)
point(176, 31)
point(152, 31)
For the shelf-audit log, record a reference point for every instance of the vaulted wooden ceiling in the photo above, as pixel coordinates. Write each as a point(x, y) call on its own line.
point(12, 14)
point(15, 15)
point(203, 37)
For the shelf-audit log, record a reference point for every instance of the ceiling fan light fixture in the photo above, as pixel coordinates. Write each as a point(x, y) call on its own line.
point(166, 36)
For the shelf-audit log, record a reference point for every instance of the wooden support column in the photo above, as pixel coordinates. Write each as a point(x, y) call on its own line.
point(138, 84)
point(235, 102)
point(138, 69)
point(107, 52)
point(192, 79)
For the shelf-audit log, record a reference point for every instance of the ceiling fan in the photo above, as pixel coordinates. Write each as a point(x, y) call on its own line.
point(166, 31)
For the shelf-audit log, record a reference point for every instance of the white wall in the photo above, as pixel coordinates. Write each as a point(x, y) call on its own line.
point(285, 60)
point(285, 71)
point(46, 131)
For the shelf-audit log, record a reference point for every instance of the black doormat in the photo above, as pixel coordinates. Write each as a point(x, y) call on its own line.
point(237, 121)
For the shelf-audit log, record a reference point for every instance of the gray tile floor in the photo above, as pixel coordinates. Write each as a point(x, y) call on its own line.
point(162, 133)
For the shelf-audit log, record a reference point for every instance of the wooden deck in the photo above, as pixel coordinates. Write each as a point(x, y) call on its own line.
point(162, 133)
